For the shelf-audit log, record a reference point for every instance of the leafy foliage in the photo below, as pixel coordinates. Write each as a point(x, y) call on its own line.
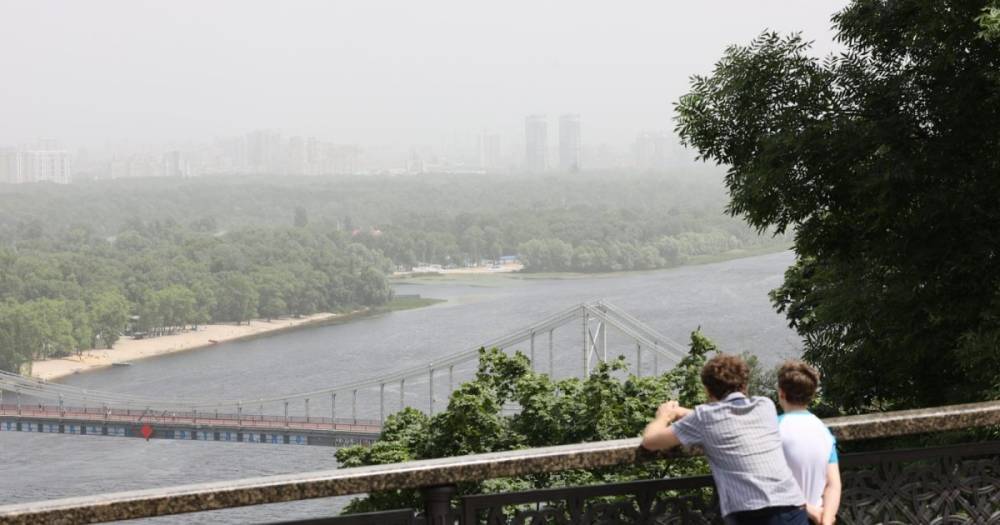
point(990, 22)
point(609, 404)
point(884, 161)
point(638, 221)
point(64, 294)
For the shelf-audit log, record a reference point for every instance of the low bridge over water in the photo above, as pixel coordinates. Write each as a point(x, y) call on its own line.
point(30, 405)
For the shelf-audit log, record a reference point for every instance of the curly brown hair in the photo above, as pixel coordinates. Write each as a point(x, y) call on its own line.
point(799, 381)
point(724, 374)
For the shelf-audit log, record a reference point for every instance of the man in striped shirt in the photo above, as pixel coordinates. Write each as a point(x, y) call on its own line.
point(740, 438)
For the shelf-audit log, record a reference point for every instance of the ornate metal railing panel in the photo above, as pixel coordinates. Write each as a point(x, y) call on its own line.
point(944, 485)
point(666, 501)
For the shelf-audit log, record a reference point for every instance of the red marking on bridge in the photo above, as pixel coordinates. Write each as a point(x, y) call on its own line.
point(147, 431)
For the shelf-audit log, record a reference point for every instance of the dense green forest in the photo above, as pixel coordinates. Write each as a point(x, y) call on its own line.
point(583, 222)
point(72, 289)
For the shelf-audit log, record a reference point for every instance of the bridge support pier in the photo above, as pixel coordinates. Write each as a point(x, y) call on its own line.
point(333, 410)
point(307, 410)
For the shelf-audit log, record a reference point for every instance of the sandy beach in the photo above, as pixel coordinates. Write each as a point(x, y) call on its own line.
point(128, 349)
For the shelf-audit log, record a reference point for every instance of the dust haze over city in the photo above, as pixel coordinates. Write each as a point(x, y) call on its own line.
point(397, 82)
point(398, 231)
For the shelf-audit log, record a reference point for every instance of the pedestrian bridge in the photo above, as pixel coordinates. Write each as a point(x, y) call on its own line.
point(958, 483)
point(318, 417)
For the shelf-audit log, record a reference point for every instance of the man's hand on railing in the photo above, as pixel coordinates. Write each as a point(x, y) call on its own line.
point(658, 435)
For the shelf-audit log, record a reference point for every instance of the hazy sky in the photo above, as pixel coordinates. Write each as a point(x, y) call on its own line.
point(389, 73)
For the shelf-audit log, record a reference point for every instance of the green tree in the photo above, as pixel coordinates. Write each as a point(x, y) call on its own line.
point(21, 336)
point(108, 313)
point(177, 306)
point(236, 299)
point(989, 20)
point(884, 161)
point(609, 404)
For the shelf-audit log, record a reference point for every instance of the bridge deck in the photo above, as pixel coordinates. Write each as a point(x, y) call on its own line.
point(187, 425)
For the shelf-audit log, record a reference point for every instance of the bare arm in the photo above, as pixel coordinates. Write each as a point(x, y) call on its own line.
point(658, 435)
point(831, 494)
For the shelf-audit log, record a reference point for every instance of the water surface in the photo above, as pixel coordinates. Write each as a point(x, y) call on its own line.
point(727, 300)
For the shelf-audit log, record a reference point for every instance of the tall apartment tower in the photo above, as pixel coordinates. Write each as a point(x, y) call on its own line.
point(536, 143)
point(489, 151)
point(10, 166)
point(569, 143)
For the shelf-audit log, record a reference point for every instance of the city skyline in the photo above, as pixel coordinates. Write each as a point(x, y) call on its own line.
point(548, 144)
point(380, 75)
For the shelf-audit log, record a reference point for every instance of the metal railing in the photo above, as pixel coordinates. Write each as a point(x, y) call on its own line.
point(957, 484)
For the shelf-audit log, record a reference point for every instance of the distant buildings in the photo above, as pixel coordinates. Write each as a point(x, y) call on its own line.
point(651, 151)
point(175, 164)
point(536, 142)
point(10, 166)
point(35, 165)
point(569, 143)
point(135, 167)
point(489, 152)
point(268, 153)
point(264, 152)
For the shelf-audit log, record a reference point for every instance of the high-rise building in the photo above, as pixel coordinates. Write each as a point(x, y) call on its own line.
point(489, 151)
point(10, 166)
point(45, 165)
point(264, 152)
point(569, 143)
point(175, 165)
point(298, 158)
point(536, 143)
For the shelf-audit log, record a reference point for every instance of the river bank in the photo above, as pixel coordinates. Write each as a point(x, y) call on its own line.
point(127, 350)
point(496, 279)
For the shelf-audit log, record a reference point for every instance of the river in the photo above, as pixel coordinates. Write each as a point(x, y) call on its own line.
point(728, 300)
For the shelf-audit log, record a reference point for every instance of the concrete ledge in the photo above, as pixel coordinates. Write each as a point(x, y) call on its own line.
point(443, 471)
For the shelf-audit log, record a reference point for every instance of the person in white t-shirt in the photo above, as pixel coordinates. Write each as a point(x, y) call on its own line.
point(810, 449)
